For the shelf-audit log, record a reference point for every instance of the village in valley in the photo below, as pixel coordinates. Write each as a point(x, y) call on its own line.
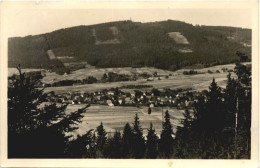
point(134, 93)
point(141, 98)
point(128, 89)
point(146, 93)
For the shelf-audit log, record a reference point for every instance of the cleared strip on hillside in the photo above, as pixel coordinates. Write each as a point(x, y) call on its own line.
point(114, 31)
point(51, 54)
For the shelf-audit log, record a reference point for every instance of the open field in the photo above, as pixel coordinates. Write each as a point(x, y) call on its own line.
point(99, 72)
point(177, 80)
point(196, 82)
point(115, 118)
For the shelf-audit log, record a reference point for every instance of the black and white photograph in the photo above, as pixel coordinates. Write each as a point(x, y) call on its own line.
point(129, 81)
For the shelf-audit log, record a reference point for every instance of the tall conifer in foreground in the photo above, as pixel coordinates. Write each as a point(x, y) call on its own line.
point(113, 148)
point(139, 143)
point(35, 132)
point(151, 143)
point(101, 138)
point(166, 141)
point(127, 143)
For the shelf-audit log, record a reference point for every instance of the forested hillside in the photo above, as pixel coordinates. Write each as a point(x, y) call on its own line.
point(127, 43)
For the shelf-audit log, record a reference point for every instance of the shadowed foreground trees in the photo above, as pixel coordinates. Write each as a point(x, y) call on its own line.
point(35, 132)
point(220, 127)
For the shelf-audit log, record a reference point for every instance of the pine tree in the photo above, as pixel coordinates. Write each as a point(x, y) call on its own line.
point(214, 94)
point(113, 148)
point(185, 141)
point(243, 111)
point(127, 141)
point(213, 124)
point(23, 99)
point(166, 141)
point(82, 147)
point(199, 108)
point(210, 130)
point(187, 121)
point(104, 77)
point(139, 143)
point(213, 132)
point(137, 129)
point(214, 118)
point(35, 132)
point(152, 143)
point(26, 122)
point(243, 74)
point(101, 137)
point(230, 96)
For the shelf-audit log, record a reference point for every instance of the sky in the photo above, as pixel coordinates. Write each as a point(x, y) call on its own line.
point(37, 21)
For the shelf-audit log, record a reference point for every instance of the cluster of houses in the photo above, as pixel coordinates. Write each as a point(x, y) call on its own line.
point(116, 97)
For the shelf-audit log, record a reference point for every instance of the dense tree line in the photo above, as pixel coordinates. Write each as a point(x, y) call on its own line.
point(136, 86)
point(217, 127)
point(191, 72)
point(110, 77)
point(114, 77)
point(68, 82)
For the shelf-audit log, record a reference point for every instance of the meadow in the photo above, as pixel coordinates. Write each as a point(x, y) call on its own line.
point(176, 80)
point(115, 118)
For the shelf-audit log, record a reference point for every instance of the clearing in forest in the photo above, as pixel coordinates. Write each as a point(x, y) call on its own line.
point(178, 38)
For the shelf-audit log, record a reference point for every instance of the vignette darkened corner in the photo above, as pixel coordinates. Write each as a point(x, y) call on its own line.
point(130, 89)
